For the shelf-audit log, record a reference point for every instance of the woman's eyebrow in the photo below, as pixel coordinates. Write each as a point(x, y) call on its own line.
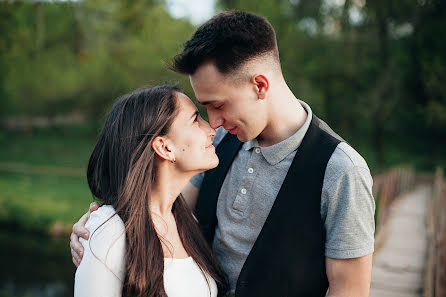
point(196, 113)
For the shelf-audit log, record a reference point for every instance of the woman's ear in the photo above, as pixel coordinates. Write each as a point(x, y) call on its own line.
point(162, 149)
point(262, 85)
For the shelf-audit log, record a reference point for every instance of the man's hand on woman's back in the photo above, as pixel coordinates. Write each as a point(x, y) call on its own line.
point(79, 230)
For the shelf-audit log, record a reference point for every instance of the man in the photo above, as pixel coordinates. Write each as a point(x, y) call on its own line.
point(289, 211)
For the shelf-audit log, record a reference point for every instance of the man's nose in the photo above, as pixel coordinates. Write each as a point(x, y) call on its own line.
point(215, 120)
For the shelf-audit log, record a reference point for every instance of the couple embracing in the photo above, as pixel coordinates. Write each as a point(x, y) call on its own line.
point(264, 200)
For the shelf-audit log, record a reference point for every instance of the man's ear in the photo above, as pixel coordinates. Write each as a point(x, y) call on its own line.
point(162, 149)
point(262, 85)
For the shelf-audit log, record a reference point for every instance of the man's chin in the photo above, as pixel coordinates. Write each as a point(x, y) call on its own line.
point(243, 137)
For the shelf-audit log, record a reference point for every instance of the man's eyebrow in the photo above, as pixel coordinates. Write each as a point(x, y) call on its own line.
point(207, 102)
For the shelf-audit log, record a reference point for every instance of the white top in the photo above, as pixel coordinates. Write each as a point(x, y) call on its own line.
point(102, 269)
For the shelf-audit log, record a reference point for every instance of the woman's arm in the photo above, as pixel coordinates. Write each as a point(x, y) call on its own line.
point(93, 278)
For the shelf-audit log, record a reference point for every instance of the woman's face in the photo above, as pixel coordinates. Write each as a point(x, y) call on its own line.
point(191, 137)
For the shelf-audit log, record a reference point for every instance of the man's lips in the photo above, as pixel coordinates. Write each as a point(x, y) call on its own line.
point(232, 130)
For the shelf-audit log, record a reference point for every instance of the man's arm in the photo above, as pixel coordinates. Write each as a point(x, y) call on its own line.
point(349, 277)
point(190, 194)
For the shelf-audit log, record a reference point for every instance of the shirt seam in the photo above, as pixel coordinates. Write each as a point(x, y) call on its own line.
point(349, 157)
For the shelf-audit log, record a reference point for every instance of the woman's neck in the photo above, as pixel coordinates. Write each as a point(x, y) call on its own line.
point(168, 186)
point(166, 189)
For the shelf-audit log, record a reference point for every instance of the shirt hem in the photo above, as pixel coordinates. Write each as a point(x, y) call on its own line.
point(349, 254)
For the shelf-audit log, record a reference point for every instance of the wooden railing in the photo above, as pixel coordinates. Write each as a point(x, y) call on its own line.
point(387, 187)
point(435, 281)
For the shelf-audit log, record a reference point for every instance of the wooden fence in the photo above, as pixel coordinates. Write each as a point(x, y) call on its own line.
point(435, 281)
point(389, 185)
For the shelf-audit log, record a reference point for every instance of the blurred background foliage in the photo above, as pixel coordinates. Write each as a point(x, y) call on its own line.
point(374, 70)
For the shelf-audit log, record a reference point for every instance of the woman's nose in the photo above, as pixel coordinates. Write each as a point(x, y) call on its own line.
point(211, 131)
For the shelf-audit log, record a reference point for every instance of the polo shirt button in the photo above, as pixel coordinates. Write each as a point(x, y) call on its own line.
point(250, 170)
point(243, 191)
point(257, 150)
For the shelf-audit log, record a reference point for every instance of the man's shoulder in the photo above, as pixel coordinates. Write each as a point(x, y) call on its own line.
point(345, 159)
point(345, 156)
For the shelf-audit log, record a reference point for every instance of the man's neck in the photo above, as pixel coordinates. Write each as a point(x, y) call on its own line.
point(287, 116)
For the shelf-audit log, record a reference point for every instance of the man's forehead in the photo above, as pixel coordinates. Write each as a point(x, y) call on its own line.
point(203, 91)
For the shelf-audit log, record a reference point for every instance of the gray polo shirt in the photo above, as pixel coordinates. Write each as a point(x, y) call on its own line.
point(254, 180)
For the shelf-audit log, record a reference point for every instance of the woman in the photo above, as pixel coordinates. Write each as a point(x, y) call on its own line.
point(144, 239)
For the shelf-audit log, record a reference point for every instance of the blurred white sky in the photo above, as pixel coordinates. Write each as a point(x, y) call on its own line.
point(197, 11)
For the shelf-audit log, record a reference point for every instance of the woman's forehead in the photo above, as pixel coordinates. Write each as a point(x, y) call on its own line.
point(185, 105)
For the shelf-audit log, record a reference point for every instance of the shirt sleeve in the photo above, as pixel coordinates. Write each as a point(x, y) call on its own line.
point(102, 269)
point(348, 206)
point(196, 180)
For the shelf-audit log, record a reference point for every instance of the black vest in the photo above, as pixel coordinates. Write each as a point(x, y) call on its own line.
point(288, 257)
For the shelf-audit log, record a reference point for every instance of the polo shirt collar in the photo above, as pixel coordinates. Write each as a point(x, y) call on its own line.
point(277, 152)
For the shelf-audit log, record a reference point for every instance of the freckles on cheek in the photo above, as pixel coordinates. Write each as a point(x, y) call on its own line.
point(186, 147)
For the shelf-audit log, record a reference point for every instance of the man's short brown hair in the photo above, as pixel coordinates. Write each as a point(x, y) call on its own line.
point(229, 39)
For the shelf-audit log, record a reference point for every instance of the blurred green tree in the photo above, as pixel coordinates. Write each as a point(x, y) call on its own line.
point(64, 57)
point(371, 69)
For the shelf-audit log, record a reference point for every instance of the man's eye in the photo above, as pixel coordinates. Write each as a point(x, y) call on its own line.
point(219, 107)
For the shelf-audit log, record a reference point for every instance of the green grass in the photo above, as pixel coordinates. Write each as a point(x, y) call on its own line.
point(39, 200)
point(36, 200)
point(68, 146)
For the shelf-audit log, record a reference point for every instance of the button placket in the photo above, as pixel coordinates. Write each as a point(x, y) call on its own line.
point(242, 196)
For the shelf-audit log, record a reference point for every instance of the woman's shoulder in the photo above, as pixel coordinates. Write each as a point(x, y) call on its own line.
point(107, 232)
point(104, 254)
point(105, 218)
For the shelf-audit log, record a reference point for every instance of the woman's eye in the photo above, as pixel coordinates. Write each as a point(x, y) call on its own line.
point(196, 118)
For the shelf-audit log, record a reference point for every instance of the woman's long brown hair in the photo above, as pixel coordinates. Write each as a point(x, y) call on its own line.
point(121, 172)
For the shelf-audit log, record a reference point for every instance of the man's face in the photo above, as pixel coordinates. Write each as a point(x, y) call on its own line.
point(231, 104)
